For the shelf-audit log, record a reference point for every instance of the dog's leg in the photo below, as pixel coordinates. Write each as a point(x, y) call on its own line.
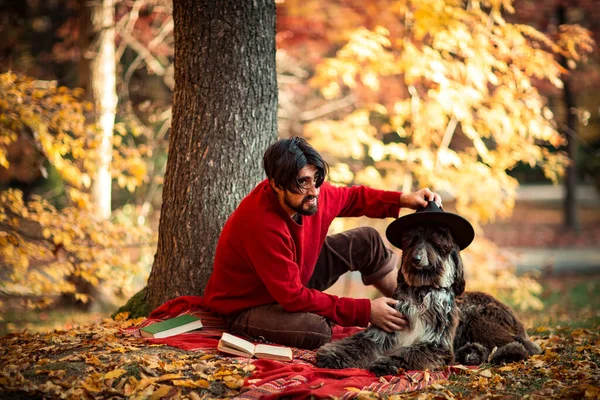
point(420, 356)
point(356, 351)
point(531, 347)
point(472, 354)
point(476, 354)
point(511, 352)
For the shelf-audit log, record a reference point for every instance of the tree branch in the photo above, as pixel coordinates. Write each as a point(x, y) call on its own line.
point(327, 108)
point(450, 129)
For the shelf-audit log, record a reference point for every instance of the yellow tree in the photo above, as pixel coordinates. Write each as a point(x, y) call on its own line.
point(47, 252)
point(444, 97)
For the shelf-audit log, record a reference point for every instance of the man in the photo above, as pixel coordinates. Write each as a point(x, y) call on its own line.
point(274, 258)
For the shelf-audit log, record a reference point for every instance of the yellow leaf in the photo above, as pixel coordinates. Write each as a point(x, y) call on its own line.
point(115, 373)
point(91, 386)
point(168, 377)
point(86, 180)
point(144, 383)
point(506, 368)
point(84, 299)
point(194, 396)
point(121, 181)
point(160, 392)
point(185, 383)
point(202, 383)
point(426, 376)
point(486, 372)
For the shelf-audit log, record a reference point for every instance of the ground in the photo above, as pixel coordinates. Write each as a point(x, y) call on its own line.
point(94, 360)
point(87, 357)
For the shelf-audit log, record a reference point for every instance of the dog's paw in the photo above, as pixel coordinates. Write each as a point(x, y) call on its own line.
point(328, 358)
point(512, 352)
point(384, 366)
point(472, 354)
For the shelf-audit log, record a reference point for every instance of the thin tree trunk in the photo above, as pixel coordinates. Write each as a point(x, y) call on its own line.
point(97, 77)
point(570, 201)
point(224, 117)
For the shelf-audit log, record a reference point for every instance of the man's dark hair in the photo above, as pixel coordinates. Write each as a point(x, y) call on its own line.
point(286, 157)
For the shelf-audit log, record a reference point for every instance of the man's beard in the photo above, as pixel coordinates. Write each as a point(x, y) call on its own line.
point(304, 208)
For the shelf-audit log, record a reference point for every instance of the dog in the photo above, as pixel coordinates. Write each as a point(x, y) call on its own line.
point(440, 317)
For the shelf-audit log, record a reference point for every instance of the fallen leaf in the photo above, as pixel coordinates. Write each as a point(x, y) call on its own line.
point(115, 373)
point(486, 372)
point(168, 377)
point(160, 392)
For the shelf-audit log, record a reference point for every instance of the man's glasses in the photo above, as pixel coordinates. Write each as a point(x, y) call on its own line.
point(308, 182)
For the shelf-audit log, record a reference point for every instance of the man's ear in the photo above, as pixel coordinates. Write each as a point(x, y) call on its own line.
point(275, 187)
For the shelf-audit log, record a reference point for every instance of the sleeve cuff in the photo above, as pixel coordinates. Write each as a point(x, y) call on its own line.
point(364, 312)
point(392, 198)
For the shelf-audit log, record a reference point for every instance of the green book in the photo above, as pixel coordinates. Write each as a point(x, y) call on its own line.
point(171, 326)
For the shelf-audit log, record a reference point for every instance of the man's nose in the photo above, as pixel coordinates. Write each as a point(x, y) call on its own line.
point(312, 191)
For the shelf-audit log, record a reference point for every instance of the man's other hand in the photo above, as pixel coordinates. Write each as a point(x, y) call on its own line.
point(419, 199)
point(385, 316)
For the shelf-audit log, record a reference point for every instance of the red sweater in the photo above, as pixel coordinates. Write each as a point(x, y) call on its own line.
point(264, 257)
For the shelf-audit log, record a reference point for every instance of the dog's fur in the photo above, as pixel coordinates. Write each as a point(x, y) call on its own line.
point(430, 282)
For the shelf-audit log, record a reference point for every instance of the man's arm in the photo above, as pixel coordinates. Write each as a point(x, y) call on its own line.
point(374, 203)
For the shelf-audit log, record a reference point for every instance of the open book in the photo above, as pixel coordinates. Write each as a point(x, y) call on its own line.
point(240, 347)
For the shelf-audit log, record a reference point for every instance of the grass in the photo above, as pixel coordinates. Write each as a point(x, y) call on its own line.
point(20, 319)
point(570, 301)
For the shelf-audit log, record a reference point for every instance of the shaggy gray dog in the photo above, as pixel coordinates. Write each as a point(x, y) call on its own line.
point(430, 282)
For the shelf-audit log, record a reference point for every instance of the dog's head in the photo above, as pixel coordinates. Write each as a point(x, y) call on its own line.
point(431, 257)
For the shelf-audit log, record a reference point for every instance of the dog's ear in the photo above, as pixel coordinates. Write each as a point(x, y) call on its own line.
point(459, 276)
point(401, 282)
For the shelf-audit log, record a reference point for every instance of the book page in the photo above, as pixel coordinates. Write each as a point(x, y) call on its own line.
point(237, 343)
point(278, 351)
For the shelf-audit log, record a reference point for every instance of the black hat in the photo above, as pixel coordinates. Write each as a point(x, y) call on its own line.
point(461, 228)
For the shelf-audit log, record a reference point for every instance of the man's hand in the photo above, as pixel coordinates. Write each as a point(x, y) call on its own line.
point(419, 199)
point(385, 316)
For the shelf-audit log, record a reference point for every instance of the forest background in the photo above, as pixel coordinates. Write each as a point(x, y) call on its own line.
point(470, 99)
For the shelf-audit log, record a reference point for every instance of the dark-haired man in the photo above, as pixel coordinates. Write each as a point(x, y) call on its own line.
point(274, 258)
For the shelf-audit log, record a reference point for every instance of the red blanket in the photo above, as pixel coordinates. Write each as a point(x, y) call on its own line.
point(299, 378)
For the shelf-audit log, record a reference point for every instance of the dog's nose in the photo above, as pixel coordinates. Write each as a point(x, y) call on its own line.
point(416, 259)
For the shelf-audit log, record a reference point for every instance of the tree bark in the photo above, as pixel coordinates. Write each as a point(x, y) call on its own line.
point(224, 117)
point(97, 77)
point(570, 201)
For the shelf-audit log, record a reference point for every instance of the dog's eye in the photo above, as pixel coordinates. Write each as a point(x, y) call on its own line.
point(408, 241)
point(443, 241)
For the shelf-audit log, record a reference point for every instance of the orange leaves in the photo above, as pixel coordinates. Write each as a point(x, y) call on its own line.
point(82, 363)
point(47, 249)
point(52, 248)
point(442, 72)
point(576, 42)
point(115, 373)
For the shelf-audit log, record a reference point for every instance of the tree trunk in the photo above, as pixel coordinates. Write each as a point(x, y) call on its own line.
point(570, 202)
point(97, 77)
point(224, 117)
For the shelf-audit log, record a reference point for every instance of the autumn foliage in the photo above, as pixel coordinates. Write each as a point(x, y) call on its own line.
point(49, 251)
point(396, 94)
point(443, 96)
